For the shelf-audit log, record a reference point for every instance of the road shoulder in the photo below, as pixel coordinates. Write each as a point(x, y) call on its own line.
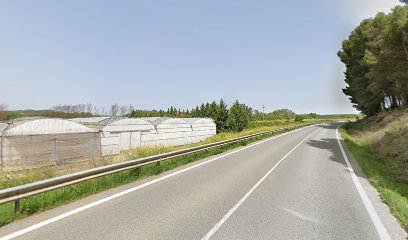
point(390, 222)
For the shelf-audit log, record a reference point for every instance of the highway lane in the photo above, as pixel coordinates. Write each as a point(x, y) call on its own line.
point(296, 186)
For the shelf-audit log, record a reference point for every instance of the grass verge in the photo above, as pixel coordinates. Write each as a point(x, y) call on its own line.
point(62, 196)
point(380, 172)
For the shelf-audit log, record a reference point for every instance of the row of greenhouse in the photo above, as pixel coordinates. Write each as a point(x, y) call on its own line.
point(35, 142)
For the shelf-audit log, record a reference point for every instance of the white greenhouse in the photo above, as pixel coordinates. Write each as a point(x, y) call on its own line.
point(121, 134)
point(128, 131)
point(178, 131)
point(37, 142)
point(3, 127)
point(118, 134)
point(202, 128)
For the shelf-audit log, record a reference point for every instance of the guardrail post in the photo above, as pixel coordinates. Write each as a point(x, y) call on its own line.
point(1, 153)
point(16, 207)
point(93, 149)
point(55, 151)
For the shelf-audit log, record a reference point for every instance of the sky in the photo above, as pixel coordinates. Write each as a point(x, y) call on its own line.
point(154, 54)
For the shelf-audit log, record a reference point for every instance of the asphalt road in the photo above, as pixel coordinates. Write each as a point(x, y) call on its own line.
point(296, 186)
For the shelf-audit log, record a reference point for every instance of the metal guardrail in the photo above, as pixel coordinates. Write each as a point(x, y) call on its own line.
point(17, 193)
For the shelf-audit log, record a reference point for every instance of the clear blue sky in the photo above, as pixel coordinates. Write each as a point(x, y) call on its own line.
point(154, 54)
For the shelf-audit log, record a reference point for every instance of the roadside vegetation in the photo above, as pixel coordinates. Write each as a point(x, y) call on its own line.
point(380, 145)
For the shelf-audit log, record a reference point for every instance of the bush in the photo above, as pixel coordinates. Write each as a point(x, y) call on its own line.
point(299, 118)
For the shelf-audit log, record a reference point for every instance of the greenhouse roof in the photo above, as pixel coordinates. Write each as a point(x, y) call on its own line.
point(98, 121)
point(3, 127)
point(191, 121)
point(46, 126)
point(155, 120)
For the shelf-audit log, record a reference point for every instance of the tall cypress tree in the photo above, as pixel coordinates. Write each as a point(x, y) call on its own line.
point(221, 116)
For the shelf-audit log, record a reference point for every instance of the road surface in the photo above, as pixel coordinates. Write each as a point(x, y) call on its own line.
point(295, 186)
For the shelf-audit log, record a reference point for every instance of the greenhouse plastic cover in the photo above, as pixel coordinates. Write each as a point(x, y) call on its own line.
point(47, 126)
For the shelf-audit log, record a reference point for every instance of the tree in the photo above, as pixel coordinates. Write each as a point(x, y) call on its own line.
point(299, 118)
point(221, 116)
point(89, 108)
point(207, 110)
point(313, 115)
point(285, 114)
point(202, 110)
point(212, 110)
point(95, 111)
point(239, 116)
point(360, 54)
point(195, 112)
point(123, 110)
point(376, 59)
point(69, 111)
point(114, 110)
point(393, 61)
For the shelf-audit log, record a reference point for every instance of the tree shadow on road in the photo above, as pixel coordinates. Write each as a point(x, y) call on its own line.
point(332, 145)
point(332, 126)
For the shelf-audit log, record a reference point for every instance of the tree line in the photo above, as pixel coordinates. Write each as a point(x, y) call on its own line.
point(170, 112)
point(376, 59)
point(87, 110)
point(66, 111)
point(234, 118)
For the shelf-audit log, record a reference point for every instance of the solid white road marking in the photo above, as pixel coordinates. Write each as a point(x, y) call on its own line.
point(238, 204)
point(80, 209)
point(381, 230)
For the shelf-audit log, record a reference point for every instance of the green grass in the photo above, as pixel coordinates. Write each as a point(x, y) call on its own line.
point(283, 123)
point(62, 196)
point(383, 173)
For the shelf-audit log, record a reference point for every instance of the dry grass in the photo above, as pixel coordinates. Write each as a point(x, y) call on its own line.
point(380, 145)
point(387, 137)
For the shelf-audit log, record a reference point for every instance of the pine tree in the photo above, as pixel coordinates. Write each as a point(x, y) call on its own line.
point(207, 110)
point(221, 116)
point(239, 116)
point(213, 110)
point(376, 59)
point(202, 110)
